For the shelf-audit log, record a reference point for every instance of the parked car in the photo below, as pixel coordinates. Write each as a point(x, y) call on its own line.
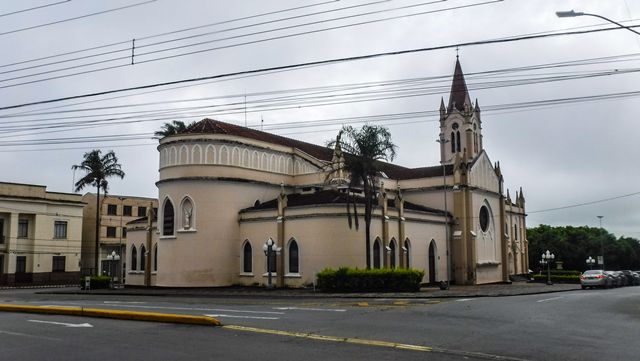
point(623, 280)
point(596, 278)
point(632, 277)
point(615, 278)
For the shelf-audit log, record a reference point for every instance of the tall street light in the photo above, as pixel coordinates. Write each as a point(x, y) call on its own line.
point(571, 14)
point(442, 142)
point(547, 258)
point(590, 262)
point(601, 241)
point(270, 250)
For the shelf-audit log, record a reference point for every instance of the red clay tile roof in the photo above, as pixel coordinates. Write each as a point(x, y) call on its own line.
point(330, 197)
point(211, 126)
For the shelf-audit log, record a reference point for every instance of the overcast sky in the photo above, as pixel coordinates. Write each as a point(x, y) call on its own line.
point(565, 153)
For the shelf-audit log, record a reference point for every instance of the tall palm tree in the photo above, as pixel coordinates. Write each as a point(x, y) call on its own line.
point(175, 127)
point(364, 149)
point(98, 169)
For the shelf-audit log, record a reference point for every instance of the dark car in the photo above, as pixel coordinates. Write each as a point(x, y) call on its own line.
point(632, 277)
point(616, 278)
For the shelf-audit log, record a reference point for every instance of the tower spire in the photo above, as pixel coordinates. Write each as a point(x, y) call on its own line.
point(459, 95)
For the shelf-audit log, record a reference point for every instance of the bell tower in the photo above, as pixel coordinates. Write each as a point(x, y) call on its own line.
point(460, 125)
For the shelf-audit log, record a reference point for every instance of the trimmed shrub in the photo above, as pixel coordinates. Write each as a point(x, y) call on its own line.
point(346, 279)
point(565, 273)
point(557, 278)
point(98, 282)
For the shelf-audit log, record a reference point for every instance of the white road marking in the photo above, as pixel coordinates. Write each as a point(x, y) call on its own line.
point(27, 335)
point(124, 302)
point(242, 316)
point(465, 299)
point(310, 309)
point(199, 309)
point(549, 299)
point(63, 323)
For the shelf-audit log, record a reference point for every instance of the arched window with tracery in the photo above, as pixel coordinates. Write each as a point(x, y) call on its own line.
point(392, 253)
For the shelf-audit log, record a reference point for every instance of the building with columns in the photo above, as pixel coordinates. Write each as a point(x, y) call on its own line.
point(224, 191)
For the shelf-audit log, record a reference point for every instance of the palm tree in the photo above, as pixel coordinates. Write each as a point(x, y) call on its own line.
point(175, 127)
point(98, 169)
point(364, 149)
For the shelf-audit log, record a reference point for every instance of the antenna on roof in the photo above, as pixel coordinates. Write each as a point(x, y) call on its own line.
point(457, 48)
point(261, 123)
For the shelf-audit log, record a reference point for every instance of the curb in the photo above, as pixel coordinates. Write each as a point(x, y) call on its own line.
point(115, 314)
point(266, 295)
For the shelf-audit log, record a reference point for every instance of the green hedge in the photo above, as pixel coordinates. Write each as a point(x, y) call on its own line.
point(347, 279)
point(565, 273)
point(97, 282)
point(558, 278)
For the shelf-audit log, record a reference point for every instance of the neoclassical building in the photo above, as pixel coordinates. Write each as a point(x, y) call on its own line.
point(225, 190)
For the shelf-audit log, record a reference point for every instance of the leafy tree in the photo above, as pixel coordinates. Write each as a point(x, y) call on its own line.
point(175, 127)
point(98, 168)
point(573, 245)
point(364, 149)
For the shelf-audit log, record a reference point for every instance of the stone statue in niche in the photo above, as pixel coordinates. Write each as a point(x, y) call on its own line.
point(187, 211)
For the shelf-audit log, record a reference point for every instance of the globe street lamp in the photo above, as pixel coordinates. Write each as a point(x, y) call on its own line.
point(112, 257)
point(590, 262)
point(571, 14)
point(548, 258)
point(270, 250)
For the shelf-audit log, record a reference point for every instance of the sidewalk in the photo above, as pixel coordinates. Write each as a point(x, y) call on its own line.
point(491, 290)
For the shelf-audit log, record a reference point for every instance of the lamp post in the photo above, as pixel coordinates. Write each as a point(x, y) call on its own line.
point(601, 241)
point(270, 250)
point(442, 142)
point(112, 257)
point(572, 14)
point(590, 262)
point(548, 258)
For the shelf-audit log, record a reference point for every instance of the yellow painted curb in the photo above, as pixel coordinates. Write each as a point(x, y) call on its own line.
point(116, 314)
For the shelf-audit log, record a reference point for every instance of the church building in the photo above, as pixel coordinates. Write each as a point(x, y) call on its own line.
point(226, 191)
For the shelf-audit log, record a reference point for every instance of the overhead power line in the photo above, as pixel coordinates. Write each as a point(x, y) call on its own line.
point(585, 203)
point(76, 17)
point(301, 65)
point(34, 8)
point(140, 55)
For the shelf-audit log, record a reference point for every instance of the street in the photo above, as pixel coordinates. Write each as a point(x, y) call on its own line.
point(575, 325)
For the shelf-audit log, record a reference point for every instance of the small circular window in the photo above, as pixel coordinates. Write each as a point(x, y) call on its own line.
point(484, 218)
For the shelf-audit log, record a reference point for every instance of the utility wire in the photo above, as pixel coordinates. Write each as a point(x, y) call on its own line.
point(34, 8)
point(139, 55)
point(585, 203)
point(76, 18)
point(299, 65)
point(159, 35)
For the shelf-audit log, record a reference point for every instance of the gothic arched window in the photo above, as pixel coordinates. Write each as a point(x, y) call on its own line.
point(294, 260)
point(247, 258)
point(376, 253)
point(143, 258)
point(168, 218)
point(134, 258)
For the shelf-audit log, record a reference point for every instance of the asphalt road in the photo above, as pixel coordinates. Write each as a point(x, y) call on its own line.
point(577, 325)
